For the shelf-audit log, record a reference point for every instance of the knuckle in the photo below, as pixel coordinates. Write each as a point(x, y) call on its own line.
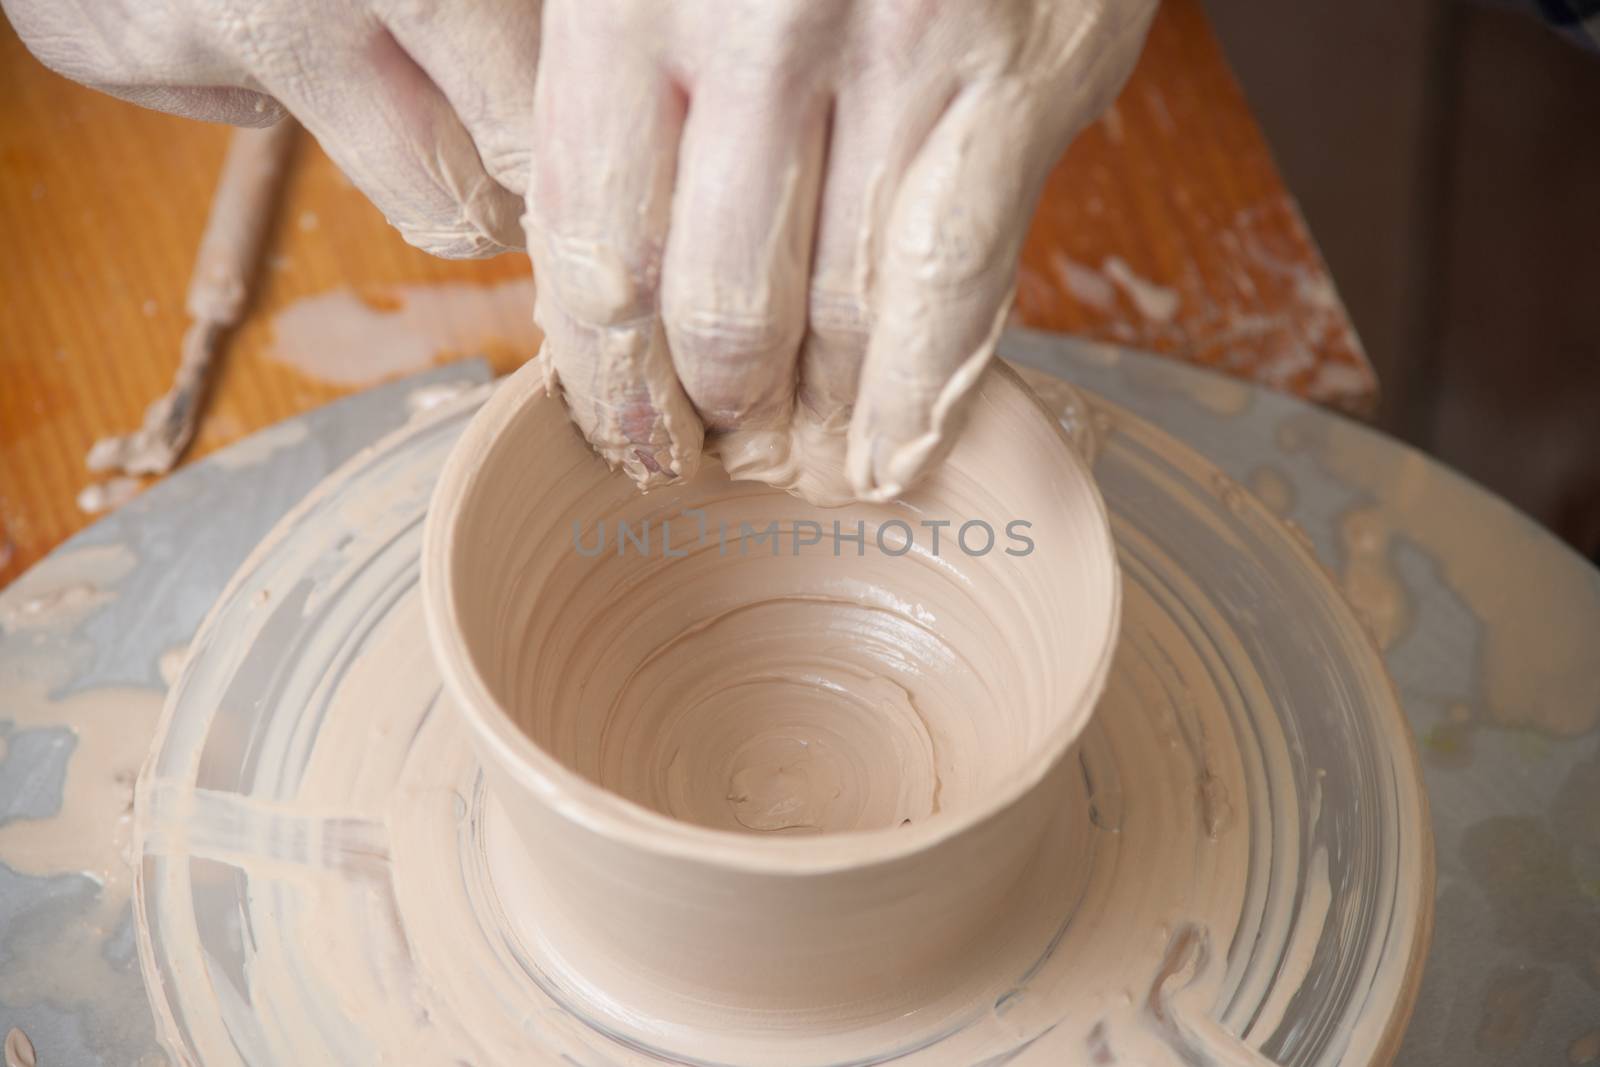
point(838, 329)
point(737, 369)
point(944, 257)
point(592, 281)
point(973, 242)
point(717, 332)
point(838, 321)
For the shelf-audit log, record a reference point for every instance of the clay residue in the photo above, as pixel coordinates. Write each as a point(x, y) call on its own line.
point(427, 398)
point(19, 1050)
point(108, 495)
point(1083, 283)
point(1275, 318)
point(219, 290)
point(1448, 742)
point(1309, 924)
point(1155, 303)
point(1370, 580)
point(390, 861)
point(89, 835)
point(170, 665)
point(1537, 608)
point(1512, 1002)
point(1543, 905)
point(1273, 488)
point(351, 338)
point(64, 588)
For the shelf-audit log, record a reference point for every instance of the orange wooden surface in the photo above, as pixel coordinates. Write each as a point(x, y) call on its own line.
point(1175, 194)
point(1166, 227)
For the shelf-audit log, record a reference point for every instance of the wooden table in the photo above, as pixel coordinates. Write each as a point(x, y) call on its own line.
point(1166, 227)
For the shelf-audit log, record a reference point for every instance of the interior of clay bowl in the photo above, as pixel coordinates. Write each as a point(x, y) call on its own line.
point(734, 659)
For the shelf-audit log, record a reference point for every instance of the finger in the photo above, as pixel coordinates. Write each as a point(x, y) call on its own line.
point(391, 130)
point(943, 285)
point(599, 198)
point(483, 56)
point(879, 121)
point(739, 253)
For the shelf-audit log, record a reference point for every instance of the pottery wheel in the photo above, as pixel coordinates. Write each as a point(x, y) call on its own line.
point(310, 789)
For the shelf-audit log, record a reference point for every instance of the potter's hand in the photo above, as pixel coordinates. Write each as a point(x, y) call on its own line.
point(746, 214)
point(425, 106)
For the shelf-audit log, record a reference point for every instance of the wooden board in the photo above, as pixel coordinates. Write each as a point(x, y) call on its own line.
point(1166, 226)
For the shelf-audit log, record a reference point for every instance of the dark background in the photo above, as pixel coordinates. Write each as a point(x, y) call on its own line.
point(1447, 158)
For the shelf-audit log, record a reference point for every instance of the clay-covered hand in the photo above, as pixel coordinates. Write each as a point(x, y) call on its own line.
point(796, 217)
point(425, 105)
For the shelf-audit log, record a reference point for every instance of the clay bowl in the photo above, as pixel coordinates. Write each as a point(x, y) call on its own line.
point(763, 786)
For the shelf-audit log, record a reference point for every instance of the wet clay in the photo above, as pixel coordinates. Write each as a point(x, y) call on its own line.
point(91, 834)
point(867, 714)
point(71, 757)
point(19, 1050)
point(225, 265)
point(1152, 891)
point(1528, 672)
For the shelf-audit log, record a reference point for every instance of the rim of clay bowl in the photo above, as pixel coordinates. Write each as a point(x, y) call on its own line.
point(604, 812)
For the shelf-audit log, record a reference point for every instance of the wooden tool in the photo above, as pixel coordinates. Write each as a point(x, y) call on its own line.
point(218, 291)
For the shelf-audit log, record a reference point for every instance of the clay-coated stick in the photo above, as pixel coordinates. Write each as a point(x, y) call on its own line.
point(224, 267)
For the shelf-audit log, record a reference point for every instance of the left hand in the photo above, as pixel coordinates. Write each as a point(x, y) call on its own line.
point(425, 106)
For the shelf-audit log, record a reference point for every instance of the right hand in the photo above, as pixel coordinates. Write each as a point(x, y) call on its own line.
point(794, 225)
